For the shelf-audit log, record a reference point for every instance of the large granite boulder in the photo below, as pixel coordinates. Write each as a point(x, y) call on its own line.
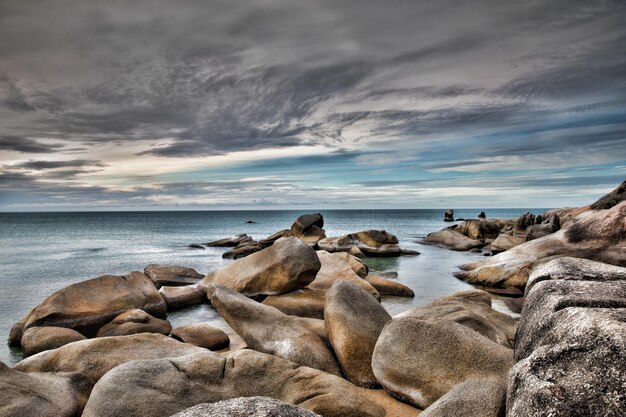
point(505, 242)
point(287, 265)
point(243, 249)
point(203, 335)
point(88, 305)
point(309, 228)
point(303, 303)
point(38, 339)
point(42, 394)
point(246, 407)
point(479, 229)
point(418, 361)
point(472, 398)
point(335, 267)
point(268, 330)
point(452, 239)
point(271, 239)
point(172, 275)
point(231, 241)
point(471, 308)
point(181, 297)
point(95, 357)
point(368, 242)
point(132, 322)
point(596, 235)
point(386, 286)
point(163, 387)
point(548, 225)
point(354, 319)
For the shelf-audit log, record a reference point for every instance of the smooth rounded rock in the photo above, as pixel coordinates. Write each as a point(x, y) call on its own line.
point(334, 267)
point(303, 303)
point(132, 322)
point(181, 297)
point(38, 339)
point(386, 286)
point(203, 335)
point(172, 275)
point(452, 239)
point(472, 398)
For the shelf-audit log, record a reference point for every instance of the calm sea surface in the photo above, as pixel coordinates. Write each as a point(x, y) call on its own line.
point(43, 252)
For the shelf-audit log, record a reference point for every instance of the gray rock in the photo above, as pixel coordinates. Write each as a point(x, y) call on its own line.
point(354, 319)
point(42, 394)
point(472, 398)
point(242, 250)
point(419, 361)
point(246, 407)
point(172, 275)
point(181, 297)
point(38, 339)
point(268, 330)
point(163, 387)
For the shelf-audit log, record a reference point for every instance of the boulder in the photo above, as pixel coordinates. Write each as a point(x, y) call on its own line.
point(451, 239)
point(505, 242)
point(181, 297)
point(270, 240)
point(42, 394)
point(471, 308)
point(303, 303)
point(132, 322)
point(87, 305)
point(418, 361)
point(203, 335)
point(369, 242)
point(482, 215)
point(385, 286)
point(472, 398)
point(246, 407)
point(266, 329)
point(243, 250)
point(550, 225)
point(195, 246)
point(287, 265)
point(163, 387)
point(95, 357)
point(16, 332)
point(231, 241)
point(334, 267)
point(599, 236)
point(448, 216)
point(479, 229)
point(611, 199)
point(357, 265)
point(172, 275)
point(38, 339)
point(309, 228)
point(354, 319)
point(317, 326)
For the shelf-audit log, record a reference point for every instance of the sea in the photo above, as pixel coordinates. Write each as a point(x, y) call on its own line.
point(41, 253)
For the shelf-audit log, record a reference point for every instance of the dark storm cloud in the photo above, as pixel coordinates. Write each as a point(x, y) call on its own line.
point(45, 165)
point(26, 145)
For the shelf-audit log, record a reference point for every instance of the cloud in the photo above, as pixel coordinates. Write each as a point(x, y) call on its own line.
point(26, 145)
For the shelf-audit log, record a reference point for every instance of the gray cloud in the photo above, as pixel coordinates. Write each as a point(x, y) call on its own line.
point(26, 145)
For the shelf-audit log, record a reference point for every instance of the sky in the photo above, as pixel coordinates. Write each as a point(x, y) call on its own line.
point(263, 104)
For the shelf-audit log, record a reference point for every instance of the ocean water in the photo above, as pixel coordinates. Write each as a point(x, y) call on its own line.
point(43, 252)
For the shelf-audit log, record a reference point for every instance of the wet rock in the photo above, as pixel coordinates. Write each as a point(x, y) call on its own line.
point(172, 275)
point(472, 398)
point(268, 330)
point(303, 303)
point(16, 332)
point(38, 339)
point(448, 216)
point(132, 322)
point(173, 385)
point(88, 305)
point(181, 297)
point(202, 335)
point(388, 287)
point(419, 361)
point(354, 319)
point(246, 407)
point(452, 239)
point(334, 267)
point(195, 246)
point(287, 265)
point(231, 241)
point(42, 394)
point(409, 252)
point(95, 357)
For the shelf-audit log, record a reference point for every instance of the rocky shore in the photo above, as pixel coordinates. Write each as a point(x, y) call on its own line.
point(315, 339)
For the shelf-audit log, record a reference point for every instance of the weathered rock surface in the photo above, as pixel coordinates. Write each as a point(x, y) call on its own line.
point(95, 357)
point(480, 229)
point(243, 249)
point(172, 275)
point(268, 330)
point(132, 322)
point(472, 398)
point(287, 265)
point(203, 335)
point(309, 228)
point(231, 241)
point(385, 286)
point(181, 297)
point(87, 305)
point(42, 394)
point(505, 242)
point(419, 361)
point(166, 386)
point(599, 236)
point(303, 303)
point(38, 339)
point(354, 319)
point(246, 407)
point(271, 239)
point(452, 239)
point(369, 242)
point(471, 308)
point(335, 267)
point(317, 326)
